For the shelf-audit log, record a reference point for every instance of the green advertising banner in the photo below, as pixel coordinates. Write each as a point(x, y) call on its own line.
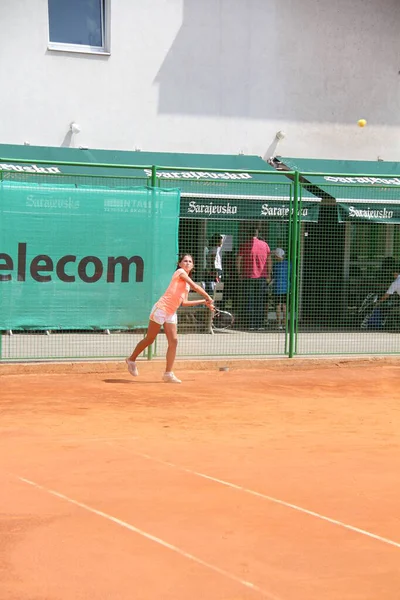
point(373, 212)
point(84, 258)
point(245, 208)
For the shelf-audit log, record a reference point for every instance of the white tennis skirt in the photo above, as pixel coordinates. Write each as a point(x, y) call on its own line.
point(158, 315)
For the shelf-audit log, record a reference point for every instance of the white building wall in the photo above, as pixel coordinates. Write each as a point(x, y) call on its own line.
point(211, 76)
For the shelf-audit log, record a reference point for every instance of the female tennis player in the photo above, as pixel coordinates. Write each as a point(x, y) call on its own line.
point(164, 314)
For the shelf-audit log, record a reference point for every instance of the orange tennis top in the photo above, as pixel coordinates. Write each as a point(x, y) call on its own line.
point(175, 293)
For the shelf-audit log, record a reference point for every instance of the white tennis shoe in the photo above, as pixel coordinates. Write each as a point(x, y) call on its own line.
point(170, 378)
point(132, 368)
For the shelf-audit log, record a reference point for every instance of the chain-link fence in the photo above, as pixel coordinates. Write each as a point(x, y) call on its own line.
point(293, 266)
point(347, 262)
point(230, 227)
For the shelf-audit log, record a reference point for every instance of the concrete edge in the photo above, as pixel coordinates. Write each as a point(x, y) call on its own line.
point(157, 365)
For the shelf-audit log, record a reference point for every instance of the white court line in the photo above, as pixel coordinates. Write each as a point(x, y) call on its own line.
point(67, 439)
point(272, 499)
point(93, 439)
point(153, 538)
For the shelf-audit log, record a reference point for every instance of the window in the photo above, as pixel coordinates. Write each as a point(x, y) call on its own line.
point(79, 25)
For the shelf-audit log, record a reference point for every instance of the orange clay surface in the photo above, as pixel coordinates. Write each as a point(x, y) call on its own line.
point(121, 489)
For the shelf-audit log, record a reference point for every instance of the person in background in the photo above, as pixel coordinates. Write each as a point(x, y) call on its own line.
point(377, 319)
point(394, 288)
point(280, 285)
point(214, 262)
point(385, 275)
point(254, 271)
point(205, 254)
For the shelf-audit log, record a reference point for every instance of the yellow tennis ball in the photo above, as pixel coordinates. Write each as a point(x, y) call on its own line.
point(362, 123)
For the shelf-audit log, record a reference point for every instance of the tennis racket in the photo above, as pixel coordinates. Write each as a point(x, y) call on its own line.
point(222, 319)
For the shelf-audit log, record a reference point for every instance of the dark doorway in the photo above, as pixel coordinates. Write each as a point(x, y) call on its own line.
point(322, 273)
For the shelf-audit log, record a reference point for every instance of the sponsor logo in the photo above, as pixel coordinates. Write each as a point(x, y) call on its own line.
point(198, 175)
point(280, 211)
point(212, 209)
point(28, 168)
point(89, 269)
point(52, 203)
point(370, 213)
point(370, 180)
point(127, 205)
point(203, 175)
point(228, 210)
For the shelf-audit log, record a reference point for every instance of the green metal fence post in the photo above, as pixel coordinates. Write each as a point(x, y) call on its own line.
point(154, 176)
point(293, 260)
point(1, 333)
point(150, 350)
point(298, 259)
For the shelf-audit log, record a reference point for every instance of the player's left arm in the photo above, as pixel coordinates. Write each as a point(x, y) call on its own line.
point(196, 288)
point(194, 302)
point(208, 301)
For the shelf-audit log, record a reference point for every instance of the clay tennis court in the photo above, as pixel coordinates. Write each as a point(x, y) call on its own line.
point(279, 483)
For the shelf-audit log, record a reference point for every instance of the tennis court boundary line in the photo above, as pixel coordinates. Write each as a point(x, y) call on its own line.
point(272, 499)
point(152, 538)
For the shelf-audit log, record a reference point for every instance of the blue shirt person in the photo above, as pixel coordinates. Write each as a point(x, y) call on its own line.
point(280, 285)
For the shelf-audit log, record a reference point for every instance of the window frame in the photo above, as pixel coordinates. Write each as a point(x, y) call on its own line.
point(104, 50)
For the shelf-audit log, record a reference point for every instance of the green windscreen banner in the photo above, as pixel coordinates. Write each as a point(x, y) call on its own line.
point(378, 212)
point(245, 208)
point(84, 258)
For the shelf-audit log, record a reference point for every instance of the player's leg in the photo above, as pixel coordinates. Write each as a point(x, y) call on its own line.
point(152, 332)
point(171, 332)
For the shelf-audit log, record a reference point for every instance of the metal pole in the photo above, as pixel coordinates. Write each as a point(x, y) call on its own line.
point(153, 183)
point(299, 263)
point(1, 333)
point(293, 264)
point(153, 176)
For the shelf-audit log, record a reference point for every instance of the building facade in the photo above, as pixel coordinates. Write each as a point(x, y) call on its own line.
point(216, 76)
